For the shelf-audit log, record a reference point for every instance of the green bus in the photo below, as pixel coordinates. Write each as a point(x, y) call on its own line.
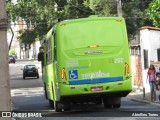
point(85, 61)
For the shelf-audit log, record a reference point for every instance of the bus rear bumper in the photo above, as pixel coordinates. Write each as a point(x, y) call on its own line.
point(93, 97)
point(120, 89)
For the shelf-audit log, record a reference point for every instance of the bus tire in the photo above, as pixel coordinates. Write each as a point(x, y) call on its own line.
point(106, 103)
point(67, 109)
point(117, 105)
point(107, 106)
point(57, 106)
point(98, 101)
point(45, 91)
point(66, 106)
point(117, 102)
point(51, 103)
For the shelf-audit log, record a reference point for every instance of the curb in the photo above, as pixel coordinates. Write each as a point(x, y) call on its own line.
point(145, 101)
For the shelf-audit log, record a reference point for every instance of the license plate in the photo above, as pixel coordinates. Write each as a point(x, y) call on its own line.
point(99, 88)
point(30, 71)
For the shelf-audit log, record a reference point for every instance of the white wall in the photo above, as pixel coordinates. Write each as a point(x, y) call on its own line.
point(34, 50)
point(37, 44)
point(154, 44)
point(150, 40)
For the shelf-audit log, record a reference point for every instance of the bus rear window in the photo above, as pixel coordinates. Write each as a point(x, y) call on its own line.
point(96, 32)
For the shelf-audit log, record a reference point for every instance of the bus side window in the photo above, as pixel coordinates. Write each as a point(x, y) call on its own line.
point(55, 51)
point(49, 51)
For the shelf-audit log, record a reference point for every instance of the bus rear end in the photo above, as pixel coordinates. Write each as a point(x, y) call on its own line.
point(93, 60)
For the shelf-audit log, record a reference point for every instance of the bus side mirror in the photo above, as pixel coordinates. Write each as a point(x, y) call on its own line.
point(40, 56)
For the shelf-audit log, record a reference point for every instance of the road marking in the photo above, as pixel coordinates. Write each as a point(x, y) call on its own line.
point(26, 94)
point(27, 91)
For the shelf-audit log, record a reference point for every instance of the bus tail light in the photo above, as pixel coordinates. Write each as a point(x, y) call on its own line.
point(62, 25)
point(127, 71)
point(119, 20)
point(63, 74)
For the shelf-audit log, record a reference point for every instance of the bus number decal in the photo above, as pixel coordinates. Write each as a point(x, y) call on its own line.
point(72, 63)
point(118, 60)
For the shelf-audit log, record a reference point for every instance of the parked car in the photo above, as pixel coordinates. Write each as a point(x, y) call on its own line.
point(30, 71)
point(12, 59)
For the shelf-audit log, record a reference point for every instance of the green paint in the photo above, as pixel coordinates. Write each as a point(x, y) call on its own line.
point(105, 58)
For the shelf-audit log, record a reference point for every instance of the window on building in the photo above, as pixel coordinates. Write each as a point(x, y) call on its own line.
point(135, 51)
point(158, 54)
point(145, 53)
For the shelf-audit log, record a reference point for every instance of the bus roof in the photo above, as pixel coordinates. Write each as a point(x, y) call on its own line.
point(89, 19)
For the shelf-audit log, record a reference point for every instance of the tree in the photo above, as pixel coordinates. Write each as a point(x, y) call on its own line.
point(41, 15)
point(102, 7)
point(28, 37)
point(38, 15)
point(153, 12)
point(134, 13)
point(5, 104)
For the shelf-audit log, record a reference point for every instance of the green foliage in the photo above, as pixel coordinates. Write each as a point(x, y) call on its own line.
point(28, 37)
point(40, 15)
point(102, 7)
point(12, 52)
point(134, 13)
point(153, 12)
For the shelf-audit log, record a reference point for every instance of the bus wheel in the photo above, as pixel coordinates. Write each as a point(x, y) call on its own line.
point(66, 106)
point(117, 102)
point(51, 103)
point(67, 109)
point(106, 103)
point(57, 106)
point(117, 105)
point(45, 92)
point(98, 101)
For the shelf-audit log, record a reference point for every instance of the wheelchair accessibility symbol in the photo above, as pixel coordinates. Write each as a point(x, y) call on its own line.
point(73, 74)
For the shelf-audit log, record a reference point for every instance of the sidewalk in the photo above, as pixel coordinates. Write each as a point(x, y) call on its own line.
point(139, 97)
point(27, 59)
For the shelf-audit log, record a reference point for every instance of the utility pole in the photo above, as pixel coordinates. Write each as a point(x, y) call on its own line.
point(5, 97)
point(119, 8)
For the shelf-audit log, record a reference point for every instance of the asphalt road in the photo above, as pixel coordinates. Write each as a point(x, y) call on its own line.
point(37, 103)
point(16, 77)
point(26, 100)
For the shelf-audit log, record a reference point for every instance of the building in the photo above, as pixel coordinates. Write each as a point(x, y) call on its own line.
point(136, 62)
point(145, 50)
point(150, 51)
